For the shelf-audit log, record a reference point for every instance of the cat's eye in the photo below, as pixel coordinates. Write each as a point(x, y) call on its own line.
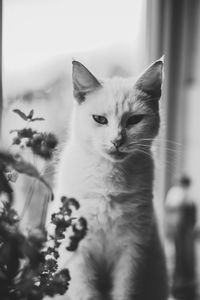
point(100, 119)
point(134, 120)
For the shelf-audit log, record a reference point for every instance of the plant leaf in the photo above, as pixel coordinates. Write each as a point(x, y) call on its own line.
point(30, 115)
point(20, 113)
point(37, 119)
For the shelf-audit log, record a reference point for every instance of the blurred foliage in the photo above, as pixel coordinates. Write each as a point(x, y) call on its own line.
point(10, 161)
point(42, 144)
point(28, 264)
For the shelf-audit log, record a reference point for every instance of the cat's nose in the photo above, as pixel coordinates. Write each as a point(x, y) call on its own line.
point(118, 142)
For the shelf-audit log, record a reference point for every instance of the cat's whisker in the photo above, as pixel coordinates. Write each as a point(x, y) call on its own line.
point(168, 164)
point(173, 148)
point(163, 140)
point(166, 149)
point(139, 149)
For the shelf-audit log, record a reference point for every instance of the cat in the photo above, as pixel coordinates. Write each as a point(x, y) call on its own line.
point(107, 165)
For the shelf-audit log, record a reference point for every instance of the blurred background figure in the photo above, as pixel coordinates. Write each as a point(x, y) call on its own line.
point(180, 221)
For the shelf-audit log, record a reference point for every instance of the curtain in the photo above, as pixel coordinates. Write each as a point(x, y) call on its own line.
point(172, 29)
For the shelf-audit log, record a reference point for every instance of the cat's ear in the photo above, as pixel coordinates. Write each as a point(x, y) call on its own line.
point(84, 81)
point(150, 81)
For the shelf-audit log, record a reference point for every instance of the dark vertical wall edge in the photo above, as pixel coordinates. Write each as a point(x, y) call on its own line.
point(1, 91)
point(172, 30)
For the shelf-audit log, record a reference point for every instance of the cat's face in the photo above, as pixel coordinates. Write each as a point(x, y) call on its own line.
point(117, 117)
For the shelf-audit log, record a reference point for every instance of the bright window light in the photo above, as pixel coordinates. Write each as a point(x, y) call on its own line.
point(36, 30)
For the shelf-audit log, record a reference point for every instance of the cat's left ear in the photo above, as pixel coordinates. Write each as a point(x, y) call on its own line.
point(150, 81)
point(84, 81)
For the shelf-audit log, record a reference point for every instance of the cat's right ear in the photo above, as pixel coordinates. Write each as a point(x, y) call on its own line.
point(84, 81)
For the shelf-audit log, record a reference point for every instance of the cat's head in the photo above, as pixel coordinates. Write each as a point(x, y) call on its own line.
point(116, 117)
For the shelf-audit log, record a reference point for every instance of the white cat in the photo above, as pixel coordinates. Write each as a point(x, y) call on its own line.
point(108, 167)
